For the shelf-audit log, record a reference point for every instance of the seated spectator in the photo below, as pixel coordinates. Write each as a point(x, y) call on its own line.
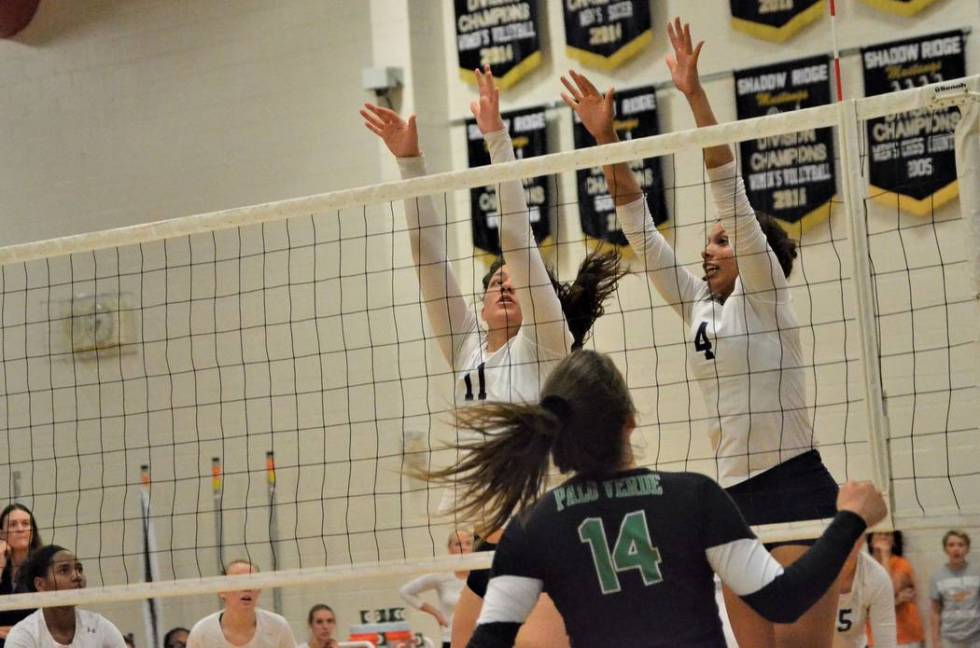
point(48, 569)
point(18, 537)
point(322, 623)
point(241, 624)
point(865, 602)
point(176, 638)
point(887, 549)
point(955, 594)
point(447, 586)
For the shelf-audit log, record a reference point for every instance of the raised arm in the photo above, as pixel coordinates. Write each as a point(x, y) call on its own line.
point(677, 285)
point(539, 302)
point(758, 268)
point(780, 594)
point(449, 315)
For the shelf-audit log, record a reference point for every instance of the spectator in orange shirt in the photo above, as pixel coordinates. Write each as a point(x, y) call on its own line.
point(887, 550)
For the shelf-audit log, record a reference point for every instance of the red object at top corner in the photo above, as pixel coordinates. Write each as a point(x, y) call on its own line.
point(15, 15)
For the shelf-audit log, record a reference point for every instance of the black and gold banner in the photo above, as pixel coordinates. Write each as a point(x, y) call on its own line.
point(911, 155)
point(604, 34)
point(500, 33)
point(774, 20)
point(636, 116)
point(900, 7)
point(788, 176)
point(529, 132)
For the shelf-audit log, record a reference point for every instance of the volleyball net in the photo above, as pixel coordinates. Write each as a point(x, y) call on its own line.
point(259, 382)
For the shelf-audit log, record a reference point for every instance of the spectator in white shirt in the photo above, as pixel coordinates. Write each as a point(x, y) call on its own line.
point(447, 586)
point(48, 569)
point(241, 624)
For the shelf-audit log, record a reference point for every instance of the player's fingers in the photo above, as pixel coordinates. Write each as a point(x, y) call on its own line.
point(376, 131)
point(371, 119)
point(572, 89)
point(383, 113)
point(587, 85)
point(697, 52)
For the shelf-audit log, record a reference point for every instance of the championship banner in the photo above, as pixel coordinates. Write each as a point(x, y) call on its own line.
point(528, 130)
point(790, 176)
point(500, 33)
point(911, 155)
point(636, 116)
point(604, 34)
point(774, 20)
point(904, 8)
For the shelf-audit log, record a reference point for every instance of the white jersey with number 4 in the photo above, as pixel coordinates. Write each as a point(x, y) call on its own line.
point(871, 601)
point(744, 353)
point(91, 631)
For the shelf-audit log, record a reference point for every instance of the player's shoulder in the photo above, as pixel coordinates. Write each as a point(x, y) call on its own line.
point(208, 622)
point(874, 573)
point(26, 631)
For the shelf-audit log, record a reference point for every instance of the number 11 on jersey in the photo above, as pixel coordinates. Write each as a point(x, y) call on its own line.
point(633, 550)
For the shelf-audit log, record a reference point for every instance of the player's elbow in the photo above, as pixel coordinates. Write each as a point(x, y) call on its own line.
point(777, 608)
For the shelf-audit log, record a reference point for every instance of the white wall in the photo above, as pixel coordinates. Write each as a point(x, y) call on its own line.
point(118, 113)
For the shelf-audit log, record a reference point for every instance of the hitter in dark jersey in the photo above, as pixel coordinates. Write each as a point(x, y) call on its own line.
point(626, 554)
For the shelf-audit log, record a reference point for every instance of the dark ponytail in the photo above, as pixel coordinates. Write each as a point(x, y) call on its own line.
point(779, 241)
point(582, 301)
point(579, 421)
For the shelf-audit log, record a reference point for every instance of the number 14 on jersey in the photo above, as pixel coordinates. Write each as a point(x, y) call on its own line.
point(632, 550)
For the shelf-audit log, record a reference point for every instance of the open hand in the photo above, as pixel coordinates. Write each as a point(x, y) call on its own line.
point(595, 110)
point(400, 136)
point(487, 108)
point(683, 63)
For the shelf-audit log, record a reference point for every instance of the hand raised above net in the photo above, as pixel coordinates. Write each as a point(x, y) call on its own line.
point(683, 63)
point(486, 109)
point(400, 136)
point(594, 109)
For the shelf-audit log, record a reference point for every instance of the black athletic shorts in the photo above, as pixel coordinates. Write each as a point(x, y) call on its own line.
point(795, 490)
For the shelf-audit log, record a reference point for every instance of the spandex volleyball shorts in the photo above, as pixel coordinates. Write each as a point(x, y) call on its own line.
point(795, 490)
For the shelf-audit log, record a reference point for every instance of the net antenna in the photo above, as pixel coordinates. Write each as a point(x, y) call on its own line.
point(217, 491)
point(270, 479)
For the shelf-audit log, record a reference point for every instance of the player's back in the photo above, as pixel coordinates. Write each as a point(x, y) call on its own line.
point(624, 557)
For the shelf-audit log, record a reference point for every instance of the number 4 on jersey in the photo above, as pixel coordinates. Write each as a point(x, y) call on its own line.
point(702, 343)
point(633, 550)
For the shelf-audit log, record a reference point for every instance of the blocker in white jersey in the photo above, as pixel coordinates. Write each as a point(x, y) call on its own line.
point(745, 351)
point(870, 603)
point(532, 321)
point(91, 631)
point(744, 347)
